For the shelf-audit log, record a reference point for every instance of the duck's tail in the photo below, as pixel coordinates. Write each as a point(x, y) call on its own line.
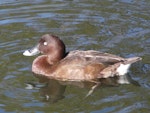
point(131, 60)
point(120, 68)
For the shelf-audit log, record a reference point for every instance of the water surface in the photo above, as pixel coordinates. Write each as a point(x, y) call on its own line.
point(121, 27)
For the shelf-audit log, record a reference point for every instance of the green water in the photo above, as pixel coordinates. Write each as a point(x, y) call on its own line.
point(121, 27)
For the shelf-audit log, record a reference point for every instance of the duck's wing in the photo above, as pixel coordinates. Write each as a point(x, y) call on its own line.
point(85, 65)
point(96, 56)
point(89, 65)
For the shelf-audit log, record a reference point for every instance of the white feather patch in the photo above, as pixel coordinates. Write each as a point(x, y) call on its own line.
point(123, 69)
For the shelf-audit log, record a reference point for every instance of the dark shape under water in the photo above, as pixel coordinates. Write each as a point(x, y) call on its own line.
point(54, 90)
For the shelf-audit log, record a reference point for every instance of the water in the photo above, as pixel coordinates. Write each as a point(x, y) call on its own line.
point(120, 27)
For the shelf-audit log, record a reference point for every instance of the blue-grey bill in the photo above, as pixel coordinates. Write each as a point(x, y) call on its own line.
point(31, 52)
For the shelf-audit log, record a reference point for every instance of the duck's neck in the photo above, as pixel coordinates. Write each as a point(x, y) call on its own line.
point(55, 57)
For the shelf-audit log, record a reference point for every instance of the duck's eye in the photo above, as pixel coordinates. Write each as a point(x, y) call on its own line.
point(45, 43)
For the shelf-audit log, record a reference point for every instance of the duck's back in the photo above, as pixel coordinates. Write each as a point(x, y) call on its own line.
point(86, 65)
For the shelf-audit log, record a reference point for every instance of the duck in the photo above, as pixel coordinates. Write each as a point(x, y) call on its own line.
point(77, 65)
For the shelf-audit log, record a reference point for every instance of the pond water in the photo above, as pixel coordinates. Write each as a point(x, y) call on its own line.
point(121, 27)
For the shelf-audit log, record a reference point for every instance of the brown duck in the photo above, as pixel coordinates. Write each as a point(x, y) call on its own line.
point(76, 65)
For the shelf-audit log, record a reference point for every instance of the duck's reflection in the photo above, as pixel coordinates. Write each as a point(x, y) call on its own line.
point(54, 90)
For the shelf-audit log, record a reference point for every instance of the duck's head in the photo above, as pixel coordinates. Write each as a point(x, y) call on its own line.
point(49, 45)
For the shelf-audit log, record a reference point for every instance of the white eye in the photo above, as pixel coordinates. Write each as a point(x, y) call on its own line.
point(45, 43)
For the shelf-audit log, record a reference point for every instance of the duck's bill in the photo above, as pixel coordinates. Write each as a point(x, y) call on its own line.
point(31, 52)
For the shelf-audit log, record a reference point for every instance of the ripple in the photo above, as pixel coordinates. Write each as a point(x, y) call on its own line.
point(133, 107)
point(120, 27)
